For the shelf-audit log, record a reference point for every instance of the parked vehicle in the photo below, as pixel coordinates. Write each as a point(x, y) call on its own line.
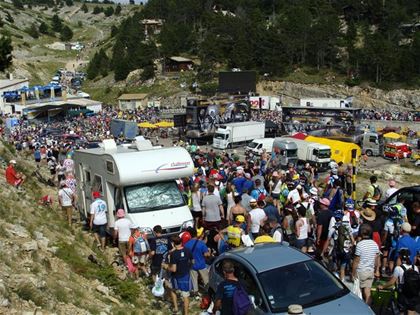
point(397, 150)
point(326, 102)
point(285, 152)
point(371, 142)
point(340, 151)
point(138, 178)
point(409, 194)
point(124, 128)
point(228, 135)
point(312, 153)
point(292, 278)
point(257, 146)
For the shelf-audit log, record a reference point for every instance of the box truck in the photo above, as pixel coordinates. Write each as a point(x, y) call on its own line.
point(312, 153)
point(124, 128)
point(326, 102)
point(228, 135)
point(139, 178)
point(340, 151)
point(257, 146)
point(284, 152)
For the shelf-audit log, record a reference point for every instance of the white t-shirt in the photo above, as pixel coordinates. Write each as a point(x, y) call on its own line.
point(257, 215)
point(99, 209)
point(277, 236)
point(294, 196)
point(123, 228)
point(390, 191)
point(399, 272)
point(65, 194)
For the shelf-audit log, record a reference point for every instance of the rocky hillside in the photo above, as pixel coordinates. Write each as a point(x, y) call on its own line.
point(45, 266)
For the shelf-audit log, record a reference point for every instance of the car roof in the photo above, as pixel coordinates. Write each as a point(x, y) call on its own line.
point(269, 256)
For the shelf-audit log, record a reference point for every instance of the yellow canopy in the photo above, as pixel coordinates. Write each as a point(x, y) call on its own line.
point(165, 124)
point(392, 135)
point(146, 124)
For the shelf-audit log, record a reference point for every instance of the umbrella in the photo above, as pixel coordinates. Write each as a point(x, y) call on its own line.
point(146, 125)
point(392, 135)
point(165, 124)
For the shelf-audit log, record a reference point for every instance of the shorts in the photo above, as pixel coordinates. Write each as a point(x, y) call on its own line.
point(100, 230)
point(366, 278)
point(37, 160)
point(68, 210)
point(275, 196)
point(408, 304)
point(142, 258)
point(197, 214)
point(123, 248)
point(300, 243)
point(344, 259)
point(53, 172)
point(212, 225)
point(182, 284)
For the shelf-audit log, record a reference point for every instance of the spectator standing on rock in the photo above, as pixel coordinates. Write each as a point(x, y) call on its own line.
point(98, 219)
point(66, 199)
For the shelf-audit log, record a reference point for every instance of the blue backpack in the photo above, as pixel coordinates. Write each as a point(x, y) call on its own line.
point(241, 302)
point(141, 245)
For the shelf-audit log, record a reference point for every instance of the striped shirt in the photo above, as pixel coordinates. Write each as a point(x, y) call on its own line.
point(367, 251)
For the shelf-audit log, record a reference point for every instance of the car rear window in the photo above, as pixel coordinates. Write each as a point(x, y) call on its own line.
point(305, 283)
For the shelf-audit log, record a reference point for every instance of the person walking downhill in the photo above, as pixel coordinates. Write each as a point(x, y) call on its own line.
point(98, 219)
point(122, 233)
point(66, 199)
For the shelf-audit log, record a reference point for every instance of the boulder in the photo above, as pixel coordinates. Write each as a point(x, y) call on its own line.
point(102, 289)
point(30, 246)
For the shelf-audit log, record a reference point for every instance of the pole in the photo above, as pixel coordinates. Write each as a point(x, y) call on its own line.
point(353, 178)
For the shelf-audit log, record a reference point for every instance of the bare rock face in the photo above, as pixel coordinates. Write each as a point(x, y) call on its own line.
point(30, 246)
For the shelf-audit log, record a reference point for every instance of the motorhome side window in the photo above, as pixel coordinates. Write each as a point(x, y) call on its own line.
point(87, 176)
point(110, 167)
point(97, 183)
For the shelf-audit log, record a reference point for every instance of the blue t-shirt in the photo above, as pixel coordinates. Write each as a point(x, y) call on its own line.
point(272, 212)
point(406, 241)
point(248, 184)
point(37, 155)
point(238, 182)
point(198, 253)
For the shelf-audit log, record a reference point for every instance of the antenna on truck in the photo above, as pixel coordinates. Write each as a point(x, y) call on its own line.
point(109, 144)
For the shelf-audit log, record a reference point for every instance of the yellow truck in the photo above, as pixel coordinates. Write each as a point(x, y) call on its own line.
point(340, 151)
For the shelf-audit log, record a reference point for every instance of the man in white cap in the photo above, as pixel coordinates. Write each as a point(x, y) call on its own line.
point(66, 199)
point(12, 177)
point(122, 232)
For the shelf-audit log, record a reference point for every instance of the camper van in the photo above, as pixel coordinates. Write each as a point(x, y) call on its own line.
point(139, 178)
point(257, 146)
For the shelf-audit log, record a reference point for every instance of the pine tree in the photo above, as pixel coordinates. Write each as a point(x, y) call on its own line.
point(84, 8)
point(118, 9)
point(56, 23)
point(6, 49)
point(43, 28)
point(109, 11)
point(66, 34)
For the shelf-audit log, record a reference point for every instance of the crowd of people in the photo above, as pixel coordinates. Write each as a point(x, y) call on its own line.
point(240, 202)
point(376, 114)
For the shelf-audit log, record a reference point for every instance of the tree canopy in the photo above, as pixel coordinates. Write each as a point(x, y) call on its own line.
point(6, 49)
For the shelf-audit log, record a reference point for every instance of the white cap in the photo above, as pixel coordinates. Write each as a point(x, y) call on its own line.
point(12, 162)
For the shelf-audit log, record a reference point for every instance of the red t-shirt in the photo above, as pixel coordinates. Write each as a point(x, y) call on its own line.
point(11, 176)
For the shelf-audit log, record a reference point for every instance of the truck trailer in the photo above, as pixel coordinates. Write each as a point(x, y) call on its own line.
point(340, 151)
point(326, 102)
point(124, 128)
point(139, 178)
point(312, 153)
point(228, 135)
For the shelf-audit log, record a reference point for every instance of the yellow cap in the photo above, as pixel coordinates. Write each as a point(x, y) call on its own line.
point(200, 231)
point(240, 219)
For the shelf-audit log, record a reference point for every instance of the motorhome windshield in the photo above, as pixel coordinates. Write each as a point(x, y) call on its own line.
point(292, 153)
point(324, 154)
point(220, 136)
point(153, 196)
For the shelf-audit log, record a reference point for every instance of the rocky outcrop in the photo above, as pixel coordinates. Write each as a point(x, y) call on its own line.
point(365, 97)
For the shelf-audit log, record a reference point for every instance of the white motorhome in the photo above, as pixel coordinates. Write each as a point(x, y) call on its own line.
point(139, 178)
point(312, 153)
point(327, 102)
point(257, 146)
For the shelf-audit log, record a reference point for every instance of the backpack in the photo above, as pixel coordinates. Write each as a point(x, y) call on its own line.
point(354, 223)
point(343, 239)
point(261, 195)
point(241, 302)
point(141, 245)
point(411, 286)
point(377, 193)
point(337, 201)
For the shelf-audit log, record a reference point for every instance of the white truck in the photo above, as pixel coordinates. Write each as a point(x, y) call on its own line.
point(327, 102)
point(265, 102)
point(139, 178)
point(312, 153)
point(228, 135)
point(257, 146)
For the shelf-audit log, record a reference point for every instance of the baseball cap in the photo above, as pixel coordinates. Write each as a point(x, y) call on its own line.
point(134, 226)
point(252, 200)
point(313, 191)
point(247, 175)
point(406, 227)
point(120, 213)
point(12, 162)
point(325, 202)
point(240, 219)
point(96, 194)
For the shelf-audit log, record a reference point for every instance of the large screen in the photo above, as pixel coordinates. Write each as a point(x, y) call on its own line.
point(237, 82)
